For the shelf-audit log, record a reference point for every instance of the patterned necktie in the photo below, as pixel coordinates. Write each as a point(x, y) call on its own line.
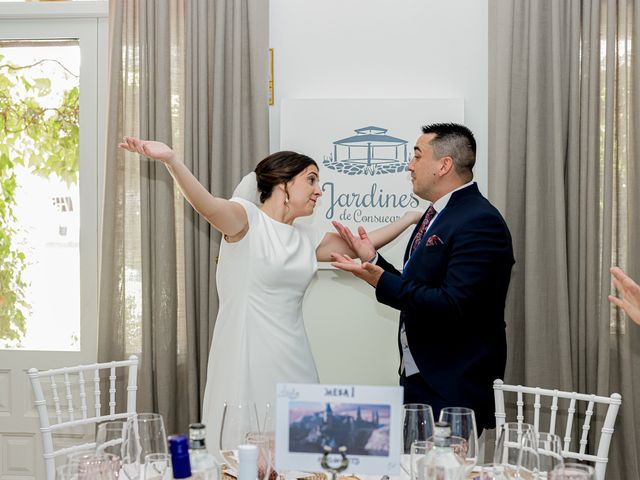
point(431, 212)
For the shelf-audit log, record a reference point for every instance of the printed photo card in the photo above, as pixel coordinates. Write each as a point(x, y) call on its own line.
point(364, 419)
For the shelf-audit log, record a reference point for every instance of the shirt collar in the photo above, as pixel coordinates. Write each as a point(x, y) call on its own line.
point(441, 203)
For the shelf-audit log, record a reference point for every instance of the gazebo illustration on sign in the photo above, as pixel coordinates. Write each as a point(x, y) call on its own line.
point(370, 151)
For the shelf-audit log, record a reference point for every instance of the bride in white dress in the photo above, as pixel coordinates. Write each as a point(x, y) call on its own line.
point(266, 263)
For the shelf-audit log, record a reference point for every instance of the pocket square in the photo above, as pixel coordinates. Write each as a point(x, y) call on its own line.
point(434, 240)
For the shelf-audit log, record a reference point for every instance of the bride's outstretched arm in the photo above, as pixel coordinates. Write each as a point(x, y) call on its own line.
point(227, 217)
point(365, 244)
point(384, 235)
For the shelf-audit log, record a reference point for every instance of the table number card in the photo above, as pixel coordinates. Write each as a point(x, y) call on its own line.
point(365, 419)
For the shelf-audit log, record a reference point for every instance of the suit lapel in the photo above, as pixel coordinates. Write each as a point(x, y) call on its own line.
point(455, 196)
point(413, 234)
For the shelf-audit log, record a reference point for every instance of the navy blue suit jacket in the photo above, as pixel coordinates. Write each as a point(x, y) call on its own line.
point(451, 297)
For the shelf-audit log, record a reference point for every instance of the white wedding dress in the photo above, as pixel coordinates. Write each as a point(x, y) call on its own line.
point(259, 337)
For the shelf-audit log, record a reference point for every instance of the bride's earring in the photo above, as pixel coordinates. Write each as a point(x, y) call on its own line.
point(286, 199)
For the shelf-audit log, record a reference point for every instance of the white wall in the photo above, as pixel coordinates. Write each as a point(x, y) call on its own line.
point(335, 49)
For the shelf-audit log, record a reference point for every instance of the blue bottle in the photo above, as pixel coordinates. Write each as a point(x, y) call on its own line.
point(179, 448)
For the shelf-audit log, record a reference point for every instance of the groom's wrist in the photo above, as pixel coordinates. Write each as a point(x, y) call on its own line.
point(374, 259)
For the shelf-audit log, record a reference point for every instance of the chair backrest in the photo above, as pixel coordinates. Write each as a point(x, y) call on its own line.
point(532, 396)
point(69, 394)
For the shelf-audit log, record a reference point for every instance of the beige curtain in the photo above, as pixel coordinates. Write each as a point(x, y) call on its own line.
point(226, 134)
point(192, 74)
point(563, 169)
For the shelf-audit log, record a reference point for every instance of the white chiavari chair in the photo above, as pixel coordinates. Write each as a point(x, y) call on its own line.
point(64, 397)
point(532, 397)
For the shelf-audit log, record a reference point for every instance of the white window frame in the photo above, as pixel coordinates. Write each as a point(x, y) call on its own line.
point(87, 21)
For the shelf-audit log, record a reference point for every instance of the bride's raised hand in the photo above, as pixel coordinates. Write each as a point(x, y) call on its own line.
point(149, 148)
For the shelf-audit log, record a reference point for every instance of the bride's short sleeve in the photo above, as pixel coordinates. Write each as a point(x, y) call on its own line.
point(249, 207)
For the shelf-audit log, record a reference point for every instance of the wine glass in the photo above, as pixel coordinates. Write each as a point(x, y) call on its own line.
point(265, 454)
point(508, 442)
point(493, 471)
point(238, 421)
point(419, 449)
point(89, 465)
point(528, 460)
point(509, 438)
point(157, 466)
point(573, 471)
point(110, 437)
point(265, 418)
point(145, 434)
point(150, 431)
point(268, 429)
point(417, 424)
point(464, 434)
point(549, 452)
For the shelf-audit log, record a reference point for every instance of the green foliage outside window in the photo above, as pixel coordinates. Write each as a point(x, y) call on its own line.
point(44, 140)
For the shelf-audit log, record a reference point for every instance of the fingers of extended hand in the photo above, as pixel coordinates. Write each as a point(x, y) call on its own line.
point(631, 287)
point(618, 274)
point(344, 232)
point(347, 266)
point(139, 146)
point(624, 284)
point(616, 284)
point(338, 257)
point(363, 233)
point(134, 145)
point(131, 144)
point(616, 301)
point(346, 263)
point(338, 226)
point(125, 144)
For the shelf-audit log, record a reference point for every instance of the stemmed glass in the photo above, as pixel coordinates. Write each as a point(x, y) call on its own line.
point(145, 435)
point(419, 449)
point(529, 459)
point(265, 454)
point(510, 437)
point(417, 424)
point(110, 437)
point(89, 465)
point(115, 437)
point(492, 471)
point(549, 452)
point(464, 434)
point(157, 466)
point(265, 419)
point(573, 471)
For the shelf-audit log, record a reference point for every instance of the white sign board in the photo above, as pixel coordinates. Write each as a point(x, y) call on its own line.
point(363, 148)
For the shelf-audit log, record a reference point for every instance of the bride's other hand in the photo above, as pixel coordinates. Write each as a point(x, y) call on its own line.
point(149, 148)
point(413, 216)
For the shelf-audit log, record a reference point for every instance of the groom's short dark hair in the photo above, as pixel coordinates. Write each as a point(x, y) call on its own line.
point(456, 141)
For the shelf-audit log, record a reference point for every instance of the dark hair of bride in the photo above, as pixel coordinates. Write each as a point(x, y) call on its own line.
point(279, 167)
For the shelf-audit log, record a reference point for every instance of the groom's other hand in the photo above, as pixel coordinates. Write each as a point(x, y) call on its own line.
point(368, 272)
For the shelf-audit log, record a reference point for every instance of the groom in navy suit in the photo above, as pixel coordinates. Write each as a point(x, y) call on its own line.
point(451, 292)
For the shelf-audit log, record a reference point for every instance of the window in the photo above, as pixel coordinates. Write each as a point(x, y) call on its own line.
point(39, 168)
point(50, 158)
